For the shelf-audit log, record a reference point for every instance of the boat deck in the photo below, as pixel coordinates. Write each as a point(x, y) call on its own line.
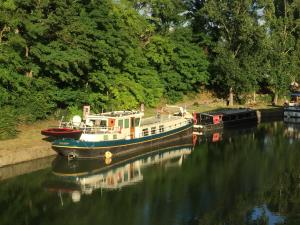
point(159, 119)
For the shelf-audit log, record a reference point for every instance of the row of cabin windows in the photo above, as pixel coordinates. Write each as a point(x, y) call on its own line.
point(240, 116)
point(105, 137)
point(125, 123)
point(153, 130)
point(121, 123)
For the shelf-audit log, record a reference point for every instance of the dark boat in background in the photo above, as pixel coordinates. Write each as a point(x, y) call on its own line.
point(237, 117)
point(224, 118)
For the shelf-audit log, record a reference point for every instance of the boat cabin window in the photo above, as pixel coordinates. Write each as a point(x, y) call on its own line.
point(120, 123)
point(103, 123)
point(114, 136)
point(126, 123)
point(153, 130)
point(145, 132)
point(137, 122)
point(97, 123)
point(161, 128)
point(206, 119)
point(105, 137)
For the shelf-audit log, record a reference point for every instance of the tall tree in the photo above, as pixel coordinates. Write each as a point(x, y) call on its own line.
point(181, 64)
point(236, 36)
point(282, 26)
point(164, 14)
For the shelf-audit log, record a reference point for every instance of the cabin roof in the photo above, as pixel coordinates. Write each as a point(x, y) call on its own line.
point(228, 111)
point(236, 111)
point(114, 114)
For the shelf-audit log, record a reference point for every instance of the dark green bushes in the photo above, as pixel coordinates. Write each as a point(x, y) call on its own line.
point(8, 123)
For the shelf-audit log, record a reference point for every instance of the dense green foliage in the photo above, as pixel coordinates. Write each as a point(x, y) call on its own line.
point(253, 44)
point(117, 54)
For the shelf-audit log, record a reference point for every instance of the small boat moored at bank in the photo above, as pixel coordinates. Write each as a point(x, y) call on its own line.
point(71, 129)
point(62, 132)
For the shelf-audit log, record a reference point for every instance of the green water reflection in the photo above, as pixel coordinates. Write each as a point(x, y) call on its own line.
point(248, 177)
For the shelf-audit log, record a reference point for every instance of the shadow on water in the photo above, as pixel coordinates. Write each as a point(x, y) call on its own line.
point(246, 176)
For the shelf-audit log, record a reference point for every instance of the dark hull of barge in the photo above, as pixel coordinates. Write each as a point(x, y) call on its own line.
point(227, 119)
point(87, 150)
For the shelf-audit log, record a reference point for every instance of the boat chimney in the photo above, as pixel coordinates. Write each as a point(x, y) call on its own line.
point(86, 111)
point(142, 107)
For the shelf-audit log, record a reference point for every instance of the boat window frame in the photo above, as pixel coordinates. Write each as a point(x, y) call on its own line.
point(137, 121)
point(153, 130)
point(100, 124)
point(126, 123)
point(161, 128)
point(121, 123)
point(145, 132)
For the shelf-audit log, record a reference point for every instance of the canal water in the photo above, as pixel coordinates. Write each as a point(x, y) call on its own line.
point(249, 176)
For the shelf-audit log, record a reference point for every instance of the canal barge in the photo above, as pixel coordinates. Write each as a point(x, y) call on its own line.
point(225, 118)
point(122, 132)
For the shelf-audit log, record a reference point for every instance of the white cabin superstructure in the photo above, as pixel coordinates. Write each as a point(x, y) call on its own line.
point(111, 126)
point(127, 125)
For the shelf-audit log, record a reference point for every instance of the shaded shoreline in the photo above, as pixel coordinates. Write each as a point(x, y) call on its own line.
point(19, 169)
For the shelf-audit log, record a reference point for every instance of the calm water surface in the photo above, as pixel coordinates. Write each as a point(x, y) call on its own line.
point(250, 176)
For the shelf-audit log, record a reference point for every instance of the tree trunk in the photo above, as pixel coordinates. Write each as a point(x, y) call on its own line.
point(275, 100)
point(26, 52)
point(231, 96)
point(29, 74)
point(254, 97)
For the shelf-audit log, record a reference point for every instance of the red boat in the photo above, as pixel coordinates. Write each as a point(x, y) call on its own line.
point(62, 133)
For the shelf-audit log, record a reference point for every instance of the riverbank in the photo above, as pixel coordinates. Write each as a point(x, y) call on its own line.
point(30, 144)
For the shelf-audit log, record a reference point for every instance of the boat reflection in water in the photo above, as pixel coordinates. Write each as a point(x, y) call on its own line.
point(82, 177)
point(292, 128)
point(219, 135)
